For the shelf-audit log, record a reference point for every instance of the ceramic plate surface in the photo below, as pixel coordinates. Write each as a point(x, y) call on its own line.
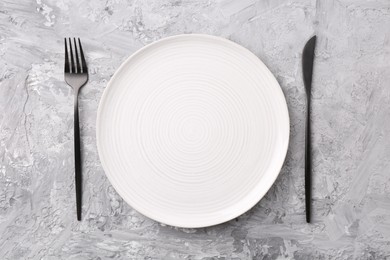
point(192, 130)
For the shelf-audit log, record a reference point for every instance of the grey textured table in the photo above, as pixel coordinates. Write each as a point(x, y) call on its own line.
point(351, 130)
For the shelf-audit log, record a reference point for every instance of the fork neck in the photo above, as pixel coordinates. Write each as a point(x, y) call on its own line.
point(308, 98)
point(76, 96)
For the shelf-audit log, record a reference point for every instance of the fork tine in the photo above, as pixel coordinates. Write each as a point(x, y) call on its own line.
point(72, 68)
point(83, 63)
point(66, 69)
point(77, 57)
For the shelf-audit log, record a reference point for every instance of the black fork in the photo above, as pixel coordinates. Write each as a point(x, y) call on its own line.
point(76, 75)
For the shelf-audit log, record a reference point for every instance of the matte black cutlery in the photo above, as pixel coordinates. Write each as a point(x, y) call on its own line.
point(76, 75)
point(307, 68)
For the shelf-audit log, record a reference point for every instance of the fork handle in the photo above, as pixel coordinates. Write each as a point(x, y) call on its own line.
point(77, 154)
point(308, 164)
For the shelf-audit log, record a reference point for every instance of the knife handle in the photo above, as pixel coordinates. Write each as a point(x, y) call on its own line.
point(308, 164)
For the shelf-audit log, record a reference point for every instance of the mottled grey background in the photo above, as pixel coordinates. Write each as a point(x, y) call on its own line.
point(351, 129)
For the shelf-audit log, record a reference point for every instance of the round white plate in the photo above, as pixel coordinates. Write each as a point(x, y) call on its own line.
point(192, 130)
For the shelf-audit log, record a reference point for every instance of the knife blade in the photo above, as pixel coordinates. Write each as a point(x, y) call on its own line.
point(307, 70)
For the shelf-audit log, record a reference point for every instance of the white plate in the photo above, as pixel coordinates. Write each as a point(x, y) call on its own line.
point(192, 130)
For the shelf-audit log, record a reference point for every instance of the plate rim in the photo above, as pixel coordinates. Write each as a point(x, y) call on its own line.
point(109, 85)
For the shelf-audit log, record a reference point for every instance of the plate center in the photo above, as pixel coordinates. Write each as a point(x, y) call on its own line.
point(192, 130)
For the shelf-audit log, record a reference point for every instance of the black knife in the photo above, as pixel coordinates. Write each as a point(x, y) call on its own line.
point(307, 68)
